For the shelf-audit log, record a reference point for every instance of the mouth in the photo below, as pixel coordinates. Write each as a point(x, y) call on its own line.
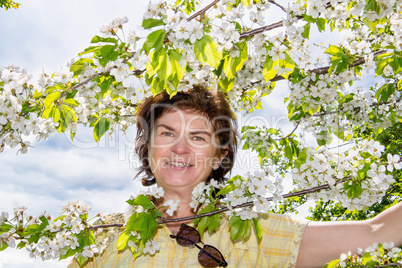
point(178, 164)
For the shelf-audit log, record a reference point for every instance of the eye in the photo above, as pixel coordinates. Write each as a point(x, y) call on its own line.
point(198, 138)
point(167, 134)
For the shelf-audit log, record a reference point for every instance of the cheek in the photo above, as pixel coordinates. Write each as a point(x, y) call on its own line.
point(153, 159)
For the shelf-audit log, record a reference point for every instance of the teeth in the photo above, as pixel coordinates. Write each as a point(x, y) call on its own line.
point(178, 164)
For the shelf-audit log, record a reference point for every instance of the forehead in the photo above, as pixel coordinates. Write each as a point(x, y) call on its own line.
point(187, 119)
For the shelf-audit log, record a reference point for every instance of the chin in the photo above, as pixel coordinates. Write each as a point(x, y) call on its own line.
point(178, 181)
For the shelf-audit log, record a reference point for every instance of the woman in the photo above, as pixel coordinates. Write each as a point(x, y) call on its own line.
point(191, 138)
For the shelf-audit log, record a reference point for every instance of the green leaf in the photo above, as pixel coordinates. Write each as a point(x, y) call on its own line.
point(258, 229)
point(70, 252)
point(384, 92)
point(81, 260)
point(206, 51)
point(150, 23)
point(321, 142)
point(202, 224)
point(331, 264)
point(71, 102)
point(3, 246)
point(122, 241)
point(288, 152)
point(214, 223)
point(7, 4)
point(269, 71)
point(306, 32)
point(143, 223)
point(108, 53)
point(53, 112)
point(31, 229)
point(79, 65)
point(68, 114)
point(161, 64)
point(91, 49)
point(383, 62)
point(154, 40)
point(175, 58)
point(101, 126)
point(229, 187)
point(225, 84)
point(246, 3)
point(321, 24)
point(232, 65)
point(334, 51)
point(239, 229)
point(157, 85)
point(371, 24)
point(21, 245)
point(245, 128)
point(272, 131)
point(373, 5)
point(141, 200)
point(98, 39)
point(5, 228)
point(51, 98)
point(353, 190)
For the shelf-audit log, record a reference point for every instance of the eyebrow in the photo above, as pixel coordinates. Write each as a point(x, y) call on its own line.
point(196, 132)
point(165, 126)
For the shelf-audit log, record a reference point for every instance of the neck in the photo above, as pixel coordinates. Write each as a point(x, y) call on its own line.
point(183, 210)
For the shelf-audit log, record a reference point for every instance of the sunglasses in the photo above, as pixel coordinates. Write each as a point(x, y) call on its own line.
point(208, 256)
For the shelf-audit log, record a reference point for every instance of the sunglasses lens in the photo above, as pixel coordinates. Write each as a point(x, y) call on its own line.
point(211, 257)
point(187, 236)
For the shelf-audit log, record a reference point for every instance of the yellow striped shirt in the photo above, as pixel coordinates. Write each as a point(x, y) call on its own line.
point(278, 248)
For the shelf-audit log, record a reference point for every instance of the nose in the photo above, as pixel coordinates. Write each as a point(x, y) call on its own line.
point(181, 146)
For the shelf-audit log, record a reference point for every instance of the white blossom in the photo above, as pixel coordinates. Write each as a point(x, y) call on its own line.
point(151, 247)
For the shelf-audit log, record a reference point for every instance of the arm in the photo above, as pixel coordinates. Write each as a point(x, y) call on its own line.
point(325, 241)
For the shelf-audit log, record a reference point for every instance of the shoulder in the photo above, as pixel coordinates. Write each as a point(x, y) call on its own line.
point(275, 225)
point(111, 219)
point(281, 237)
point(273, 218)
point(106, 238)
point(109, 226)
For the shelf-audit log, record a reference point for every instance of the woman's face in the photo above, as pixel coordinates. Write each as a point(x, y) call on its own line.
point(182, 150)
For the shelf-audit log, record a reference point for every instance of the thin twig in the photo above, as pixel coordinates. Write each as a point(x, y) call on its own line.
point(341, 145)
point(90, 79)
point(278, 5)
point(262, 29)
point(356, 109)
point(135, 72)
point(202, 11)
point(293, 131)
point(387, 265)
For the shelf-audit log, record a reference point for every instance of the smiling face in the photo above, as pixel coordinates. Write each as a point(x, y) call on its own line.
point(182, 150)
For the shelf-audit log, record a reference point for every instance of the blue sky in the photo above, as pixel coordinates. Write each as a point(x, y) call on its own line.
point(45, 34)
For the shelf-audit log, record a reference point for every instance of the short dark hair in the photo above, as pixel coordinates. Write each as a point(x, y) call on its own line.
point(210, 103)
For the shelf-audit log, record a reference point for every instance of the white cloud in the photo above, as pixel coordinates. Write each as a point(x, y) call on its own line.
point(47, 34)
point(13, 258)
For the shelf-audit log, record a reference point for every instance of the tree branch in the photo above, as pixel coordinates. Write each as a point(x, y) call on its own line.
point(298, 193)
point(224, 209)
point(355, 109)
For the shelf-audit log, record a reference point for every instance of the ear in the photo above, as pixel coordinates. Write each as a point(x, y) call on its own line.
point(218, 160)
